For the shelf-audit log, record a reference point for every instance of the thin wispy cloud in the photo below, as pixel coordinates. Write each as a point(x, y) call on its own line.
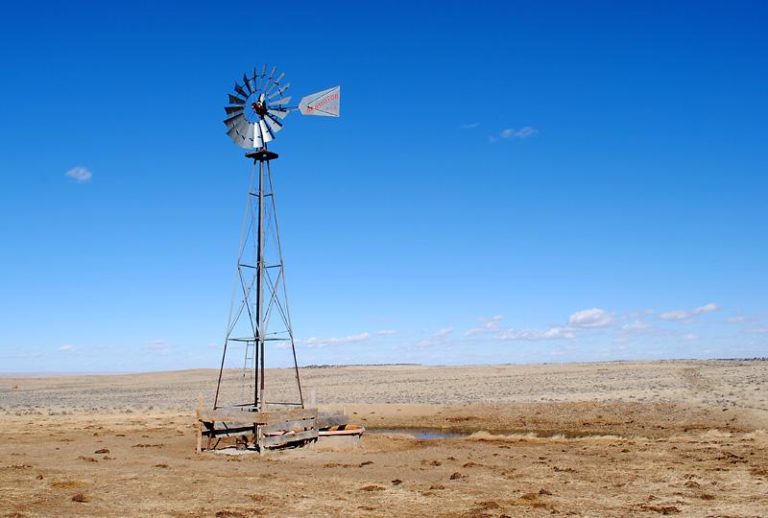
point(686, 315)
point(512, 133)
point(437, 338)
point(334, 340)
point(316, 342)
point(636, 326)
point(487, 325)
point(158, 346)
point(580, 321)
point(79, 174)
point(470, 126)
point(531, 335)
point(591, 318)
point(66, 348)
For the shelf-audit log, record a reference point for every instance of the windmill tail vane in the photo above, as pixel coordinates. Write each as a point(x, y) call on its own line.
point(258, 106)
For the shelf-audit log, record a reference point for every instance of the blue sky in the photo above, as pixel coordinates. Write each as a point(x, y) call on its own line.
point(508, 182)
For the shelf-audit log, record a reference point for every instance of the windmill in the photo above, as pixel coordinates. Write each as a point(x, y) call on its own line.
point(259, 313)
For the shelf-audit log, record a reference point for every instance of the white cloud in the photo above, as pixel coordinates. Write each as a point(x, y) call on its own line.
point(512, 133)
point(158, 346)
point(79, 174)
point(736, 319)
point(760, 330)
point(675, 315)
point(338, 340)
point(436, 338)
point(688, 314)
point(524, 132)
point(586, 319)
point(591, 318)
point(487, 325)
point(636, 326)
point(690, 337)
point(66, 348)
point(706, 308)
point(341, 340)
point(553, 333)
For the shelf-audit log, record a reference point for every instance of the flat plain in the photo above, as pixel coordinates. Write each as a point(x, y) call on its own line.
point(597, 439)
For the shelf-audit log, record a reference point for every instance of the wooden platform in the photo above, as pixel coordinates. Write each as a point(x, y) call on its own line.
point(262, 430)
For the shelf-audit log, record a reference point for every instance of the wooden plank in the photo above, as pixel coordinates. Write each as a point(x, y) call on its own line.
point(235, 416)
point(326, 419)
point(199, 434)
point(299, 424)
point(281, 440)
point(223, 432)
point(209, 428)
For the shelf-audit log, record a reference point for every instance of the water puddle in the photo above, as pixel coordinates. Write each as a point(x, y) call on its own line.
point(427, 434)
point(430, 434)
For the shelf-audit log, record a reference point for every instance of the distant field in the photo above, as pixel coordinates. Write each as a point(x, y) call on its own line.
point(740, 384)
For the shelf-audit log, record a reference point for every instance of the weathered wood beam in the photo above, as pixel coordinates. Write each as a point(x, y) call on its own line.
point(235, 416)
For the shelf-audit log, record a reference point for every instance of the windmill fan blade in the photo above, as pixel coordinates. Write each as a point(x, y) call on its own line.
point(245, 135)
point(257, 133)
point(257, 140)
point(266, 133)
point(233, 109)
point(239, 89)
point(247, 84)
point(284, 100)
point(255, 79)
point(234, 119)
point(279, 91)
point(273, 87)
point(236, 131)
point(274, 129)
point(274, 124)
point(282, 114)
point(235, 100)
point(276, 119)
point(325, 103)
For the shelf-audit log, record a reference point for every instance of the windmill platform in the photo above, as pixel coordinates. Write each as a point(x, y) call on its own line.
point(261, 431)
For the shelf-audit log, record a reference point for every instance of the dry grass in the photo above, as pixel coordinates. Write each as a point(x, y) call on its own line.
point(641, 439)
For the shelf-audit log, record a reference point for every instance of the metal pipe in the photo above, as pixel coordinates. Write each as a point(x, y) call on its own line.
point(259, 381)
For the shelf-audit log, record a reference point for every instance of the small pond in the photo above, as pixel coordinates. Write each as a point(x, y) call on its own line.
point(427, 434)
point(435, 433)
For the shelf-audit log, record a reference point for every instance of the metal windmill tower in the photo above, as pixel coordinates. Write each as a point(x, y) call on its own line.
point(259, 313)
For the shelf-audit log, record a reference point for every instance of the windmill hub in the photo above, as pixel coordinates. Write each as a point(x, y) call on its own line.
point(258, 107)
